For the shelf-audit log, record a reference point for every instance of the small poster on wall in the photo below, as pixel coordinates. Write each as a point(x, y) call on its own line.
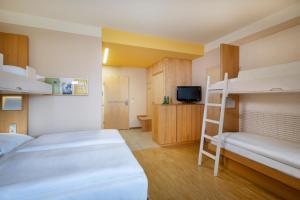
point(68, 86)
point(80, 87)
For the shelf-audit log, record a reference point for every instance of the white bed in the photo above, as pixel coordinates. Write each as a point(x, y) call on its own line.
point(278, 154)
point(90, 171)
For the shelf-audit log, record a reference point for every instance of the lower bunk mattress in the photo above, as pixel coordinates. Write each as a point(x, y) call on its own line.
point(278, 154)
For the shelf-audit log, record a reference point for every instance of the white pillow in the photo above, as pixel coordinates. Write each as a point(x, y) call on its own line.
point(9, 141)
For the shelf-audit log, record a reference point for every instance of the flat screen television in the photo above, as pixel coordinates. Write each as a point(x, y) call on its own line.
point(188, 93)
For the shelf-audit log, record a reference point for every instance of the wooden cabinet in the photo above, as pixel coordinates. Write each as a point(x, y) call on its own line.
point(15, 52)
point(177, 123)
point(164, 77)
point(178, 72)
point(164, 124)
point(14, 49)
point(189, 122)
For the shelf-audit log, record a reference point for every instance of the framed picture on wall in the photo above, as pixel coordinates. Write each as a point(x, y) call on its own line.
point(55, 82)
point(80, 87)
point(68, 86)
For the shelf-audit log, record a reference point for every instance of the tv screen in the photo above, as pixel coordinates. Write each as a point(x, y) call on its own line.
point(189, 93)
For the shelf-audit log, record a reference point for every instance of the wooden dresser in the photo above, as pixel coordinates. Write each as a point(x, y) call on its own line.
point(177, 123)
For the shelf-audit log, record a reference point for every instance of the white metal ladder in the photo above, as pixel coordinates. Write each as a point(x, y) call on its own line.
point(222, 90)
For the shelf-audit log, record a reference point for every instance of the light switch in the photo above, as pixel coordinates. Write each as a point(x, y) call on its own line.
point(13, 128)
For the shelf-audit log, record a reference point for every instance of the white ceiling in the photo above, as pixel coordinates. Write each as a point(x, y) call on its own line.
point(191, 20)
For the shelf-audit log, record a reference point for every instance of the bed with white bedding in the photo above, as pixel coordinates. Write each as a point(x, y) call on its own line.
point(52, 168)
point(278, 154)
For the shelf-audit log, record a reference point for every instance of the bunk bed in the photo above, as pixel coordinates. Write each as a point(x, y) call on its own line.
point(282, 156)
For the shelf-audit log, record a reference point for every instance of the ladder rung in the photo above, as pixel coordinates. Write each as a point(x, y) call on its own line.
point(214, 104)
point(212, 121)
point(212, 89)
point(209, 154)
point(208, 137)
point(215, 91)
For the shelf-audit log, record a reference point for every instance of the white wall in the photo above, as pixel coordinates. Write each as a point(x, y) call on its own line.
point(282, 47)
point(59, 54)
point(199, 67)
point(137, 90)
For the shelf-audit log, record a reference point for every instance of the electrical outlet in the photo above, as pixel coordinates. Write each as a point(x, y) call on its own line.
point(13, 128)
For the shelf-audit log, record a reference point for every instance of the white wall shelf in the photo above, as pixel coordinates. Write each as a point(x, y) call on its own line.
point(16, 84)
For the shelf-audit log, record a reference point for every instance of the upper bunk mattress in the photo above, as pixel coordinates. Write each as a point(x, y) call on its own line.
point(106, 171)
point(279, 150)
point(271, 79)
point(72, 139)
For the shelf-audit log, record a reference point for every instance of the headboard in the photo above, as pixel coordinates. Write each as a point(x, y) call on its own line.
point(282, 126)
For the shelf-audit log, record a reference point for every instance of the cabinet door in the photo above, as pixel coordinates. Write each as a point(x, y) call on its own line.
point(167, 127)
point(196, 120)
point(164, 124)
point(189, 122)
point(14, 49)
point(158, 88)
point(184, 125)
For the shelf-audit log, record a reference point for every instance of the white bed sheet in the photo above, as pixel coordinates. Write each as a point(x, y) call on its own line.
point(72, 139)
point(279, 150)
point(103, 171)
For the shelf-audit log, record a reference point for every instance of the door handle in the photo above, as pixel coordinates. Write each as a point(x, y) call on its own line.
point(126, 103)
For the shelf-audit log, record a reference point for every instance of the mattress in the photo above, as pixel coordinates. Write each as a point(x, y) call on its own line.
point(101, 171)
point(72, 139)
point(278, 154)
point(264, 80)
point(13, 69)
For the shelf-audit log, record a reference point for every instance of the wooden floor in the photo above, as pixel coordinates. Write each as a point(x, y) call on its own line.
point(173, 174)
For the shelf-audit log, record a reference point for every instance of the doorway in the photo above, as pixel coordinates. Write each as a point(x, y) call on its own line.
point(116, 112)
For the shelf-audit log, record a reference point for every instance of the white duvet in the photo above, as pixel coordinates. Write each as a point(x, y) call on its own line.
point(90, 165)
point(86, 172)
point(72, 139)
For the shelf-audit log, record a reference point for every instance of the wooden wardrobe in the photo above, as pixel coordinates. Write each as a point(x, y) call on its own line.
point(163, 78)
